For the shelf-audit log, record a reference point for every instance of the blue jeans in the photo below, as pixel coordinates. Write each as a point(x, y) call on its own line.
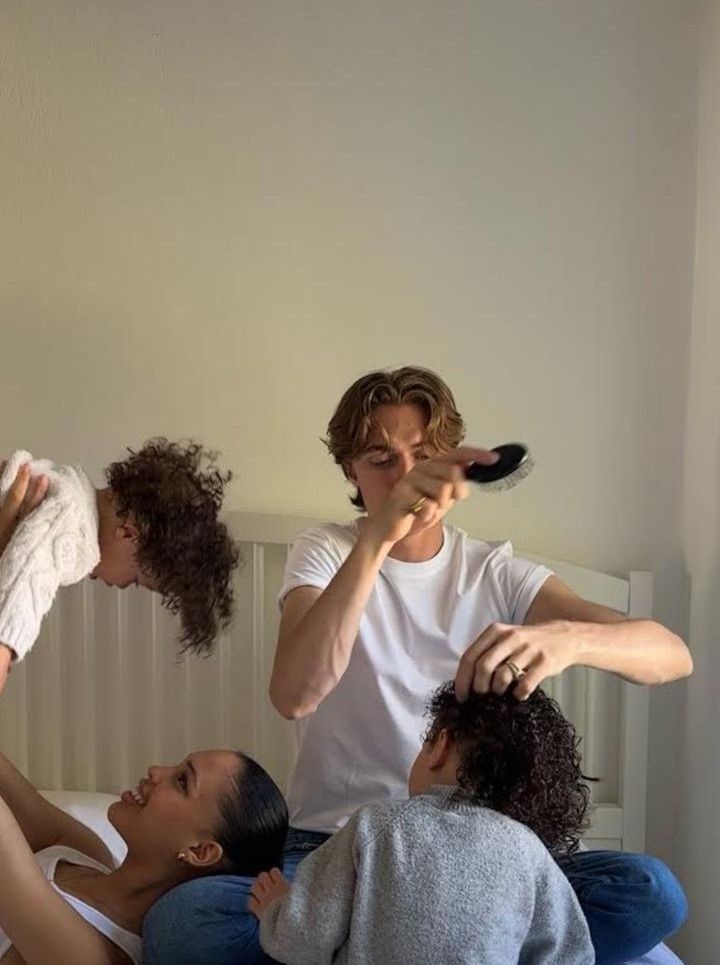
point(631, 903)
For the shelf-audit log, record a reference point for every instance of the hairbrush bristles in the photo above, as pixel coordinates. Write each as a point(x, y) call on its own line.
point(514, 464)
point(508, 482)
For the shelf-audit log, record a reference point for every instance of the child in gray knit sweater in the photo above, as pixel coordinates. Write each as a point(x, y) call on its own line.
point(459, 874)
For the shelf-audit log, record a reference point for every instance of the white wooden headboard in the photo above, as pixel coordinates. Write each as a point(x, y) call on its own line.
point(103, 694)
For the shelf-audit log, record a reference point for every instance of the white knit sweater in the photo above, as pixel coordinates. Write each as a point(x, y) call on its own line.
point(55, 545)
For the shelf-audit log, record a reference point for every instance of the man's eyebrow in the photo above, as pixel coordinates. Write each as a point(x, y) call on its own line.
point(386, 447)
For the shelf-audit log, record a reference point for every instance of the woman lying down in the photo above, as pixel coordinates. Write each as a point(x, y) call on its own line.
point(455, 875)
point(61, 901)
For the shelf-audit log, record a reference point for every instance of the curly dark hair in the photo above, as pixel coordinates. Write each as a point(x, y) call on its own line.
point(519, 757)
point(173, 492)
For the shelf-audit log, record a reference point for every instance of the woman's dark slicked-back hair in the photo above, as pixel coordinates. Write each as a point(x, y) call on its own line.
point(253, 821)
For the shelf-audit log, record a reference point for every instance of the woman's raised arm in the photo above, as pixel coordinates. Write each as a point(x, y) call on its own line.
point(40, 822)
point(42, 926)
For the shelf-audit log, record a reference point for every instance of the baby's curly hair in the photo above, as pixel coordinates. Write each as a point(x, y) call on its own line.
point(174, 492)
point(519, 757)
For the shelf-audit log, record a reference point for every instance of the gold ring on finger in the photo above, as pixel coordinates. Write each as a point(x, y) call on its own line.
point(417, 505)
point(514, 670)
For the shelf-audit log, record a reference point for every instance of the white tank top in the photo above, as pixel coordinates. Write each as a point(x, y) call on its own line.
point(48, 860)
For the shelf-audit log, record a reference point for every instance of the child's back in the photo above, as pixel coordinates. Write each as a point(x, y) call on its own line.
point(434, 880)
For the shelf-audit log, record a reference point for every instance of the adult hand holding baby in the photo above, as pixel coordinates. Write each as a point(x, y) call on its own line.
point(25, 494)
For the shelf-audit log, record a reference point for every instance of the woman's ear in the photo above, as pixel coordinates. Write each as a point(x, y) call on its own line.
point(203, 855)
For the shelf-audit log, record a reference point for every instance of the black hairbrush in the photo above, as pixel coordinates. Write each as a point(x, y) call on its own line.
point(514, 464)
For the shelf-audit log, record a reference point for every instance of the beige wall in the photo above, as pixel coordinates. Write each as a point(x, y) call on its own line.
point(214, 215)
point(699, 838)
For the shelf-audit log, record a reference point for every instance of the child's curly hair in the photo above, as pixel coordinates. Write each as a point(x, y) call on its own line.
point(519, 757)
point(173, 493)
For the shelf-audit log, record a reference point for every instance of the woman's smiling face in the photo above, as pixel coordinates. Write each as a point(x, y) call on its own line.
point(176, 810)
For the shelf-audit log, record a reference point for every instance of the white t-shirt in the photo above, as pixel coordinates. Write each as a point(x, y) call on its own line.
point(358, 746)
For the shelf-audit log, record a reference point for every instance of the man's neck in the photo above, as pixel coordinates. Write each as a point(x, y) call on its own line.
point(419, 547)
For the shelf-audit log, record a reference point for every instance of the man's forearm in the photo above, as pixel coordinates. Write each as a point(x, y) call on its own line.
point(641, 651)
point(313, 653)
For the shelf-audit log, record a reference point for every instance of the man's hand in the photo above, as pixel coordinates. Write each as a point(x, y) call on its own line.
point(434, 486)
point(537, 652)
point(267, 888)
point(25, 495)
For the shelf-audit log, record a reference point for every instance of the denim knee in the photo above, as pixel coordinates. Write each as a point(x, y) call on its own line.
point(665, 899)
point(631, 901)
point(203, 922)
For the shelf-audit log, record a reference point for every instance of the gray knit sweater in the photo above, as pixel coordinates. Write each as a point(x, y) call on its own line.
point(430, 881)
